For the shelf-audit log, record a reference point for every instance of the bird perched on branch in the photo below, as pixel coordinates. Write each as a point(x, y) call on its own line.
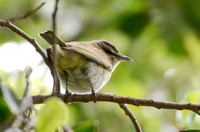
point(84, 67)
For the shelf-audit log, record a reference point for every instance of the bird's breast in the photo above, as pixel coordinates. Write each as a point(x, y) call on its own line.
point(81, 80)
point(98, 75)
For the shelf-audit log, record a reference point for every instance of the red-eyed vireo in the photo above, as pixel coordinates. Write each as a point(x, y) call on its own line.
point(85, 67)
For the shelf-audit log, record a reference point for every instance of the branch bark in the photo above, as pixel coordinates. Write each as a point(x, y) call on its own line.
point(56, 86)
point(103, 97)
point(25, 103)
point(106, 97)
point(131, 116)
point(32, 41)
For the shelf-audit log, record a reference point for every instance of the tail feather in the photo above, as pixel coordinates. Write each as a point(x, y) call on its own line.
point(48, 36)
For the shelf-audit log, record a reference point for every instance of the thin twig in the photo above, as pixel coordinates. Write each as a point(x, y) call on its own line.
point(99, 96)
point(131, 116)
point(31, 40)
point(106, 97)
point(56, 87)
point(28, 87)
point(26, 101)
point(29, 13)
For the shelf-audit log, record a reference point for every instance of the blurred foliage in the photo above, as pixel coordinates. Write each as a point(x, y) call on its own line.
point(52, 115)
point(9, 104)
point(161, 36)
point(86, 126)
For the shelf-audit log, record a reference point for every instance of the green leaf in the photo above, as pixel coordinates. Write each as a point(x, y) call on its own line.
point(19, 84)
point(192, 97)
point(10, 98)
point(52, 115)
point(187, 117)
point(5, 111)
point(87, 126)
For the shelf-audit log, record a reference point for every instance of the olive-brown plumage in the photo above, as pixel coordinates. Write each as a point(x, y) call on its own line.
point(85, 67)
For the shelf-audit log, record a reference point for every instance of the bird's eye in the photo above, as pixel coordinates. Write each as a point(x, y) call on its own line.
point(108, 51)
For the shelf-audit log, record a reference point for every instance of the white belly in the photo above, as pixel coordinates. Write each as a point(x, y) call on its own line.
point(99, 76)
point(80, 81)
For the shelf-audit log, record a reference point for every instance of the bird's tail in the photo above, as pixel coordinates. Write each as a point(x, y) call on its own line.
point(48, 36)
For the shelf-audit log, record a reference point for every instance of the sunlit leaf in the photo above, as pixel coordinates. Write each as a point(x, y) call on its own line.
point(5, 111)
point(192, 97)
point(10, 98)
point(52, 115)
point(19, 85)
point(187, 117)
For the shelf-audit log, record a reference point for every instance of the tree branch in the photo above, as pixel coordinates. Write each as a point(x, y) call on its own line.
point(28, 85)
point(103, 97)
point(25, 103)
point(131, 116)
point(56, 87)
point(31, 40)
point(106, 97)
point(29, 13)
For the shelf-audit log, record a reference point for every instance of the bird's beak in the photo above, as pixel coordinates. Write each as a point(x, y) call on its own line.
point(124, 58)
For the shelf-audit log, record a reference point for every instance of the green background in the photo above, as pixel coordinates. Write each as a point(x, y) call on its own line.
point(161, 36)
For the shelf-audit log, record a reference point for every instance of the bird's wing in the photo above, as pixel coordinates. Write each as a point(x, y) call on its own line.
point(48, 36)
point(91, 51)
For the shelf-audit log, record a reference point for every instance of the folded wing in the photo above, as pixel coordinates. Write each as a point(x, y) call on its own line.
point(90, 50)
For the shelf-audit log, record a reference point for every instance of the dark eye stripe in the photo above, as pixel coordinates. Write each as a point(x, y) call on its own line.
point(109, 44)
point(107, 51)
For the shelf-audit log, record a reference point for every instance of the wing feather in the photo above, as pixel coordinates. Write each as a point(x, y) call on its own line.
point(90, 50)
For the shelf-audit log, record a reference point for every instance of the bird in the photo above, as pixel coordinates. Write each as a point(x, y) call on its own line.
point(84, 67)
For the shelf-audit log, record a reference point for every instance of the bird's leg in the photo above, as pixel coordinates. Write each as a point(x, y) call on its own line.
point(84, 71)
point(93, 93)
point(67, 93)
point(49, 54)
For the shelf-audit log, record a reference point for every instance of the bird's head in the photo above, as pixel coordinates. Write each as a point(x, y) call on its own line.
point(113, 54)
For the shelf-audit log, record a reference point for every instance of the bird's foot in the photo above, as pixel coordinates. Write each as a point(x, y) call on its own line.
point(94, 96)
point(67, 93)
point(68, 96)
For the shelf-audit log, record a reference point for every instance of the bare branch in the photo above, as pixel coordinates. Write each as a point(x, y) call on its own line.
point(103, 97)
point(31, 40)
point(29, 13)
point(106, 97)
point(131, 116)
point(56, 87)
point(25, 103)
point(28, 87)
